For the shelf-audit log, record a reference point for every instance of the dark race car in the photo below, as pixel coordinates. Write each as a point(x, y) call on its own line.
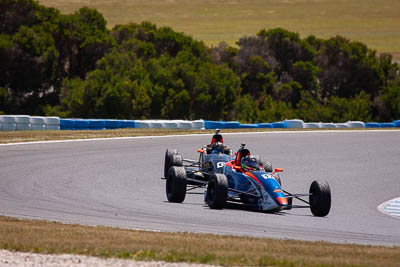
point(242, 179)
point(212, 159)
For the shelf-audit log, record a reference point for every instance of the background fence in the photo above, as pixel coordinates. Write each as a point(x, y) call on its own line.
point(26, 122)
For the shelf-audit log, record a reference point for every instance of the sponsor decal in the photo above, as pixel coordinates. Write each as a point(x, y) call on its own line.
point(278, 191)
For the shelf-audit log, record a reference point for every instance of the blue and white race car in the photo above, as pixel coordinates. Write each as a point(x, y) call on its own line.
point(238, 179)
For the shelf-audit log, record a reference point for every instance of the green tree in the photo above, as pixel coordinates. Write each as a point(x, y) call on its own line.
point(81, 39)
point(348, 68)
point(336, 109)
point(39, 48)
point(389, 103)
point(217, 90)
point(197, 88)
point(3, 100)
point(118, 88)
point(309, 109)
point(287, 48)
point(17, 13)
point(290, 92)
point(257, 78)
point(306, 74)
point(348, 109)
point(272, 110)
point(225, 54)
point(72, 97)
point(31, 65)
point(165, 40)
point(246, 110)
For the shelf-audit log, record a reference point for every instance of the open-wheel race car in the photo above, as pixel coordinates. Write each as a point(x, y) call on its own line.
point(240, 179)
point(211, 160)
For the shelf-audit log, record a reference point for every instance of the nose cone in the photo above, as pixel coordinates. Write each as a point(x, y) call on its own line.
point(282, 201)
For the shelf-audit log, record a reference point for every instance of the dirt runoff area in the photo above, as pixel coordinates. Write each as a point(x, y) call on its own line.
point(8, 258)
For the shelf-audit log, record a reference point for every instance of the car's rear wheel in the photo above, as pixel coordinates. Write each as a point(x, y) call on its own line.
point(217, 191)
point(320, 198)
point(172, 158)
point(176, 184)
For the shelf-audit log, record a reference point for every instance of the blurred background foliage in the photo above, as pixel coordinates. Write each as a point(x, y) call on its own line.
point(73, 66)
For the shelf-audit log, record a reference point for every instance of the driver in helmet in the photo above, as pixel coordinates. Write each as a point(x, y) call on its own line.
point(217, 147)
point(217, 144)
point(250, 163)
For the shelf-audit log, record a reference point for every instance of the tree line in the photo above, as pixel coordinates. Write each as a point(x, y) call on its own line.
point(73, 66)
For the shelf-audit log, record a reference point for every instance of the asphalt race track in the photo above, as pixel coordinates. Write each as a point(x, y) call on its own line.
point(117, 183)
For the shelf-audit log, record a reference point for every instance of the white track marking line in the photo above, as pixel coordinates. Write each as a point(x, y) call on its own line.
point(191, 135)
point(391, 207)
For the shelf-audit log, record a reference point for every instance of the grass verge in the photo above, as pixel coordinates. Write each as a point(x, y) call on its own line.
point(31, 136)
point(56, 238)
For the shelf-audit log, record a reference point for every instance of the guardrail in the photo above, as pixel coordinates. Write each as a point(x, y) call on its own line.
point(25, 122)
point(98, 124)
point(298, 124)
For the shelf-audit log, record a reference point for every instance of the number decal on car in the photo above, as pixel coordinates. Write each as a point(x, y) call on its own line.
point(220, 164)
point(266, 176)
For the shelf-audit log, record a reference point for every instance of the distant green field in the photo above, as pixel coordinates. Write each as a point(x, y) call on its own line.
point(374, 22)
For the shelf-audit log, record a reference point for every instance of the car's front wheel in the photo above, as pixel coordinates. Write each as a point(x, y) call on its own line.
point(277, 178)
point(320, 198)
point(268, 166)
point(217, 191)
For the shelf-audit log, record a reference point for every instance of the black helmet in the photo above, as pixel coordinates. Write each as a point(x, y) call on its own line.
point(250, 163)
point(217, 147)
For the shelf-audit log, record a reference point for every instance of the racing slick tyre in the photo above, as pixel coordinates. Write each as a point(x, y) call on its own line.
point(217, 191)
point(320, 198)
point(268, 166)
point(172, 158)
point(277, 178)
point(290, 203)
point(176, 184)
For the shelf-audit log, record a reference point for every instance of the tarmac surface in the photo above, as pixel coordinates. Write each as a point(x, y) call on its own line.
point(118, 183)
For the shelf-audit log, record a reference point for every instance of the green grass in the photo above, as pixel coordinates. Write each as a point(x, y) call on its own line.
point(374, 22)
point(30, 136)
point(57, 238)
